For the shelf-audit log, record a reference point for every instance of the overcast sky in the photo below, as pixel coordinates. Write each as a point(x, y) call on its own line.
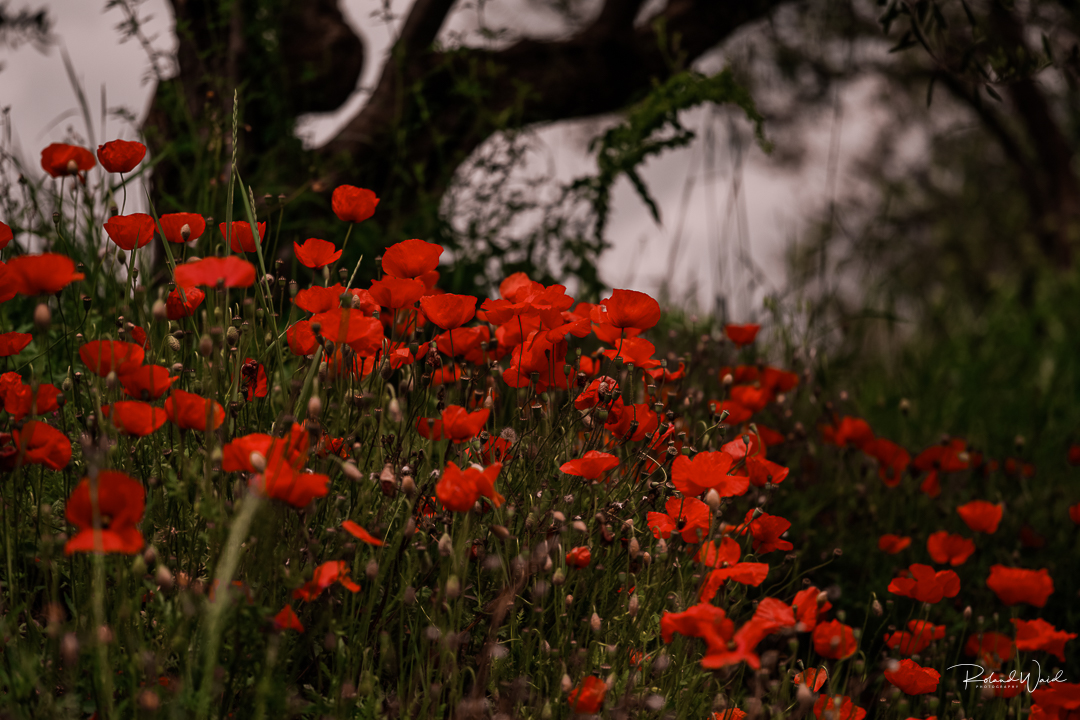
point(723, 205)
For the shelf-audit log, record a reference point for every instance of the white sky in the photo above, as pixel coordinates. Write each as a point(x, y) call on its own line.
point(774, 203)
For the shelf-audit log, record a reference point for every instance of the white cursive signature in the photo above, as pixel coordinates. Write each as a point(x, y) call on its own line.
point(999, 680)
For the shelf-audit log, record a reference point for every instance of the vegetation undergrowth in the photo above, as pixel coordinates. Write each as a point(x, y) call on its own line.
point(233, 491)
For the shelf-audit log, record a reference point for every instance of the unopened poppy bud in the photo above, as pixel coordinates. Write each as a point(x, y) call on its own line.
point(138, 565)
point(633, 547)
point(804, 696)
point(453, 587)
point(569, 600)
point(728, 380)
point(876, 608)
point(646, 558)
point(559, 577)
point(258, 461)
point(661, 663)
point(206, 346)
point(580, 526)
point(111, 380)
point(372, 569)
point(967, 614)
point(350, 471)
point(409, 596)
point(104, 634)
point(500, 532)
point(72, 167)
point(69, 648)
point(314, 406)
point(410, 528)
point(841, 615)
point(632, 606)
point(163, 577)
point(446, 545)
point(712, 498)
point(567, 683)
point(42, 316)
point(173, 344)
point(595, 623)
point(408, 485)
point(822, 598)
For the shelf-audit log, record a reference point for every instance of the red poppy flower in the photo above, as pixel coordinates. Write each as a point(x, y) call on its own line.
point(730, 714)
point(834, 640)
point(287, 620)
point(182, 302)
point(921, 634)
point(949, 549)
point(20, 400)
point(240, 237)
point(59, 159)
point(233, 271)
point(120, 156)
point(350, 327)
point(325, 575)
point(1040, 635)
point(912, 678)
point(1017, 585)
point(926, 585)
point(981, 516)
point(809, 604)
point(459, 490)
point(1074, 513)
point(410, 259)
point(813, 678)
point(191, 411)
point(1056, 700)
point(236, 455)
point(950, 456)
point(6, 235)
point(725, 554)
point(736, 414)
point(766, 530)
point(893, 544)
point(992, 649)
point(448, 311)
point(762, 472)
point(138, 335)
point(173, 225)
point(284, 478)
point(702, 620)
point(741, 335)
point(147, 382)
point(316, 253)
point(837, 707)
point(892, 459)
point(253, 380)
point(45, 274)
point(850, 431)
point(600, 390)
point(105, 356)
point(744, 573)
point(459, 425)
point(360, 533)
point(301, 338)
point(42, 444)
point(120, 504)
point(588, 697)
point(13, 343)
point(628, 309)
point(691, 517)
point(353, 204)
point(396, 293)
point(636, 351)
point(133, 417)
point(707, 471)
point(579, 557)
point(591, 466)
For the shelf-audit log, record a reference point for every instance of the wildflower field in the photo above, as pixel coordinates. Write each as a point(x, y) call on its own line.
point(239, 487)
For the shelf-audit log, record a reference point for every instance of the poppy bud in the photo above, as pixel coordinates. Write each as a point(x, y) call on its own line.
point(876, 607)
point(559, 577)
point(104, 634)
point(69, 648)
point(595, 623)
point(42, 317)
point(569, 600)
point(206, 346)
point(712, 498)
point(446, 545)
point(314, 406)
point(163, 577)
point(967, 614)
point(633, 547)
point(453, 587)
point(632, 606)
point(111, 380)
point(804, 696)
point(410, 528)
point(567, 684)
point(408, 485)
point(258, 461)
point(661, 663)
point(500, 532)
point(727, 380)
point(173, 344)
